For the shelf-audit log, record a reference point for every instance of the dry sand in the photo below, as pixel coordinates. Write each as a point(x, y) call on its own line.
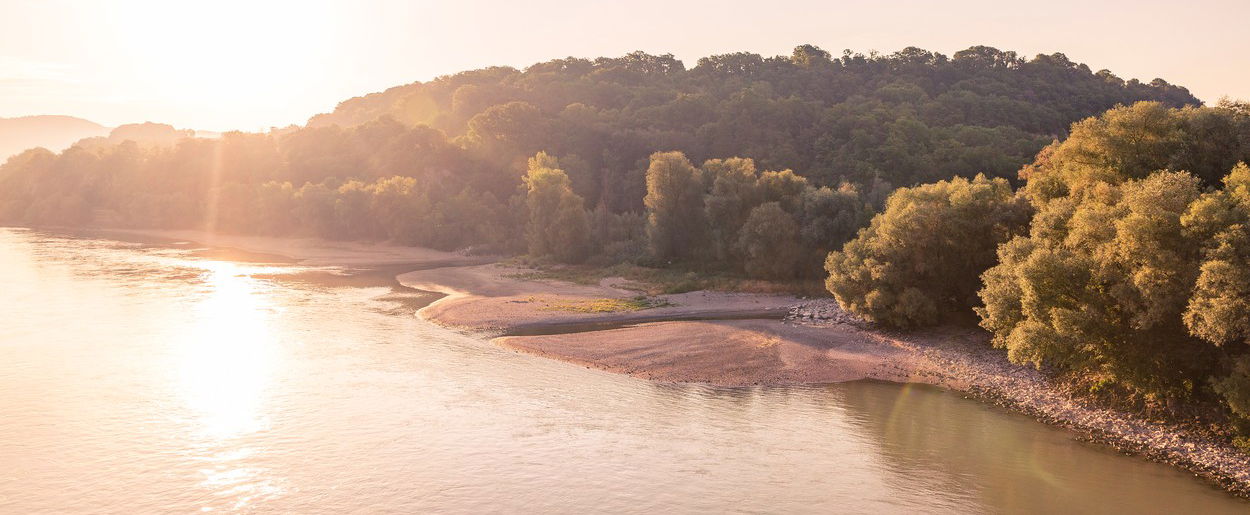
point(727, 353)
point(718, 338)
point(494, 299)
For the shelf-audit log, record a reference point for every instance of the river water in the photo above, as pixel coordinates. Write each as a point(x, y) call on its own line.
point(137, 378)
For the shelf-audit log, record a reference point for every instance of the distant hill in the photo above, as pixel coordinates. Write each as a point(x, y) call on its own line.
point(53, 132)
point(146, 134)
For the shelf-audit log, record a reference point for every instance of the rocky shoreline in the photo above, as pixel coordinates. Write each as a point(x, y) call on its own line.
point(964, 361)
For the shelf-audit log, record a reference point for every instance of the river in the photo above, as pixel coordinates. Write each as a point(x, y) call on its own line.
point(142, 378)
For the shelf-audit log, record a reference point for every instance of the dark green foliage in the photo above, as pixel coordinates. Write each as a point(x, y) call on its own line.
point(440, 163)
point(676, 226)
point(734, 231)
point(830, 218)
point(909, 117)
point(769, 243)
point(921, 258)
point(1133, 274)
point(1235, 387)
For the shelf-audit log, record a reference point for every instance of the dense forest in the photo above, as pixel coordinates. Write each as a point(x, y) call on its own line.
point(455, 162)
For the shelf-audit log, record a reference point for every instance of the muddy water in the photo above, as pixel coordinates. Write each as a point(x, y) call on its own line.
point(140, 379)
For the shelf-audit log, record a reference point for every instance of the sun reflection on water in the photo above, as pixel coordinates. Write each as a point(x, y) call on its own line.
point(228, 362)
point(229, 355)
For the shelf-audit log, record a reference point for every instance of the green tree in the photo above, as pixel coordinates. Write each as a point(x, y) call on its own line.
point(829, 219)
point(1100, 285)
point(769, 243)
point(921, 258)
point(1131, 142)
point(735, 192)
point(1235, 387)
point(676, 223)
point(558, 223)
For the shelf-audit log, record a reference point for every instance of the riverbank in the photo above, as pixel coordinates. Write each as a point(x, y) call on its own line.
point(696, 338)
point(968, 363)
point(734, 339)
point(717, 338)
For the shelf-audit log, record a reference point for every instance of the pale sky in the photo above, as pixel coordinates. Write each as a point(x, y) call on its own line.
point(250, 65)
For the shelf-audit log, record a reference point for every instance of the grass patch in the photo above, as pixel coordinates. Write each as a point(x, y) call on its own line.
point(605, 305)
point(658, 281)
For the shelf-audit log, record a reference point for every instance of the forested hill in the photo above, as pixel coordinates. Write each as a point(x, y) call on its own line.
point(911, 116)
point(445, 163)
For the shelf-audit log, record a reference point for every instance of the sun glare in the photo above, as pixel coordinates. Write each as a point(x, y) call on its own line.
point(229, 354)
point(218, 55)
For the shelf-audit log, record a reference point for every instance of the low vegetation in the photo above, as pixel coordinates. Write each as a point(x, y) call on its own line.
point(604, 305)
point(659, 281)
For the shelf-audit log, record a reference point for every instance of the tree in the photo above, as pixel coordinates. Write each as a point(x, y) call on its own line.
point(769, 243)
point(809, 55)
point(784, 187)
point(507, 130)
point(1235, 387)
point(829, 219)
point(735, 192)
point(1100, 285)
point(463, 139)
point(1131, 142)
point(1220, 222)
point(558, 224)
point(676, 224)
point(921, 258)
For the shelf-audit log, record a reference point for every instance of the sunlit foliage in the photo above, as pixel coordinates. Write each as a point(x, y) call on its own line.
point(1133, 273)
point(558, 225)
point(920, 259)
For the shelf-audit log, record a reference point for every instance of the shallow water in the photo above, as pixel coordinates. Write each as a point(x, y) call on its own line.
point(139, 379)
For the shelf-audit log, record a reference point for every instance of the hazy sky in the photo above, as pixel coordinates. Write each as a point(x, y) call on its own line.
point(254, 64)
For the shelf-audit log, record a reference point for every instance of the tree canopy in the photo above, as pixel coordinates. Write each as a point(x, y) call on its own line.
point(1133, 272)
point(911, 116)
point(836, 132)
point(920, 259)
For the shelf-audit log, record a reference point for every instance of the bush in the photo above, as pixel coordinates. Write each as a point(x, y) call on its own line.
point(922, 257)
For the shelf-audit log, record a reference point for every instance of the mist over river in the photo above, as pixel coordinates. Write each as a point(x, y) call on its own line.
point(141, 378)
